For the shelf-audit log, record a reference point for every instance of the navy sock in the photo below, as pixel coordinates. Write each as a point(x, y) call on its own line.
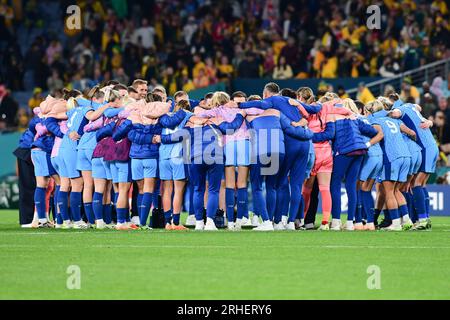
point(59, 219)
point(229, 201)
point(89, 212)
point(145, 208)
point(419, 202)
point(63, 205)
point(387, 215)
point(176, 219)
point(368, 205)
point(393, 213)
point(242, 202)
point(121, 214)
point(75, 205)
point(97, 205)
point(107, 208)
point(168, 216)
point(55, 204)
point(427, 201)
point(116, 196)
point(39, 201)
point(403, 210)
point(376, 215)
point(411, 209)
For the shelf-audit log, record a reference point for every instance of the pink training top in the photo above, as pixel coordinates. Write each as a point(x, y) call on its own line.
point(57, 144)
point(317, 122)
point(228, 114)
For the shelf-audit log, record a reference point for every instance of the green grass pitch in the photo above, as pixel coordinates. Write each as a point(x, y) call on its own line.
point(223, 265)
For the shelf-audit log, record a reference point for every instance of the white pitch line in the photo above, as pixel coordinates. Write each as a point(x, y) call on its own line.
point(112, 246)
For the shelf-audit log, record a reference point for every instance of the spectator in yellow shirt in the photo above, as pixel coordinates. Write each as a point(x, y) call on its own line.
point(36, 99)
point(225, 68)
point(364, 95)
point(408, 90)
point(330, 66)
point(198, 65)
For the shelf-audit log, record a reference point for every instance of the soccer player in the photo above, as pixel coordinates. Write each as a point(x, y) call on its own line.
point(348, 148)
point(296, 159)
point(171, 164)
point(237, 158)
point(371, 169)
point(411, 117)
point(396, 160)
point(41, 150)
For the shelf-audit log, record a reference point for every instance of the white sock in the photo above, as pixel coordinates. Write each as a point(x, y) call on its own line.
point(209, 220)
point(396, 222)
point(405, 218)
point(335, 221)
point(43, 220)
point(99, 221)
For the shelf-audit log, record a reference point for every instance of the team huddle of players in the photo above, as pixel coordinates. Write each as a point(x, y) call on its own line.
point(120, 147)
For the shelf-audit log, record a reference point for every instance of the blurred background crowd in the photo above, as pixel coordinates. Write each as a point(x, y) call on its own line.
point(190, 44)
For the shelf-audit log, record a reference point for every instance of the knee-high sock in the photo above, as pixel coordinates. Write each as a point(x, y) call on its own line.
point(121, 214)
point(242, 203)
point(403, 210)
point(139, 203)
point(427, 201)
point(412, 211)
point(89, 212)
point(358, 212)
point(39, 202)
point(75, 205)
point(377, 213)
point(368, 205)
point(306, 193)
point(326, 203)
point(62, 201)
point(176, 218)
point(107, 213)
point(59, 219)
point(394, 214)
point(168, 216)
point(229, 201)
point(419, 202)
point(146, 204)
point(97, 205)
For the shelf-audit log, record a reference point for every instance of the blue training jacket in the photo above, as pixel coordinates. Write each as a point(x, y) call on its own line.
point(349, 135)
point(27, 138)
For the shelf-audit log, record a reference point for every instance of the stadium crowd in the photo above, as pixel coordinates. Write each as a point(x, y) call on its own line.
point(193, 43)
